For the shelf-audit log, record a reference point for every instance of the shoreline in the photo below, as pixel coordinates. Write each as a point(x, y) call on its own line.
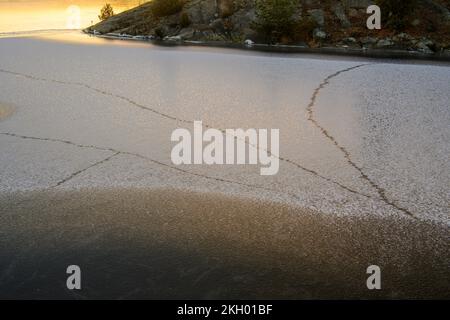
point(386, 54)
point(287, 49)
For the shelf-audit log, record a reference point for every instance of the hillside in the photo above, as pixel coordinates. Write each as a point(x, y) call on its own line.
point(312, 23)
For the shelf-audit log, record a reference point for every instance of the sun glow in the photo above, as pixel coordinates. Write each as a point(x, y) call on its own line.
point(51, 14)
point(73, 17)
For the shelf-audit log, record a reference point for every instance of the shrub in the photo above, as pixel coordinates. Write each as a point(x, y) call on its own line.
point(303, 29)
point(106, 12)
point(396, 12)
point(160, 33)
point(184, 20)
point(226, 8)
point(163, 8)
point(274, 18)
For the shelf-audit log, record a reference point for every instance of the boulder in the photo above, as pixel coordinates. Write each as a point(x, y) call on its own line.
point(187, 34)
point(403, 37)
point(217, 25)
point(201, 12)
point(426, 46)
point(318, 16)
point(249, 43)
point(173, 38)
point(243, 19)
point(349, 41)
point(340, 14)
point(368, 41)
point(384, 43)
point(319, 34)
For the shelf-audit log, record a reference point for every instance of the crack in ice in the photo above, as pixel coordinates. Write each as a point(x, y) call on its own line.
point(380, 191)
point(73, 175)
point(136, 104)
point(310, 111)
point(118, 152)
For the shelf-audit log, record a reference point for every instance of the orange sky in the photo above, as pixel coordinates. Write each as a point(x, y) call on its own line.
point(25, 15)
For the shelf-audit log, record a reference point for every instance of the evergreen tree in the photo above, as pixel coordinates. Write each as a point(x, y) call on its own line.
point(106, 12)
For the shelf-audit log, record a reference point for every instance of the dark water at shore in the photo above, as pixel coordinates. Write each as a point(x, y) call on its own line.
point(168, 244)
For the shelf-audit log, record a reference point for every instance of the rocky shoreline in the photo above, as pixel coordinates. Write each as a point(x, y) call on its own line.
point(288, 49)
point(338, 28)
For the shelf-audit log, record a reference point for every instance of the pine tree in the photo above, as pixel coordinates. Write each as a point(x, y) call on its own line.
point(106, 12)
point(274, 18)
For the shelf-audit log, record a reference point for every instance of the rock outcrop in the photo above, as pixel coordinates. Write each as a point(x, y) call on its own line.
point(317, 24)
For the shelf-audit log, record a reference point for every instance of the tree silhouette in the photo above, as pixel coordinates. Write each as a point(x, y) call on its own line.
point(106, 12)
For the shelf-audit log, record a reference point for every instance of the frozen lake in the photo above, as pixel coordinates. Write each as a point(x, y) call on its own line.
point(374, 140)
point(87, 177)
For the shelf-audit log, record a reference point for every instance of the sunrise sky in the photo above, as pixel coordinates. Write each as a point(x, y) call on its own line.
point(27, 15)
